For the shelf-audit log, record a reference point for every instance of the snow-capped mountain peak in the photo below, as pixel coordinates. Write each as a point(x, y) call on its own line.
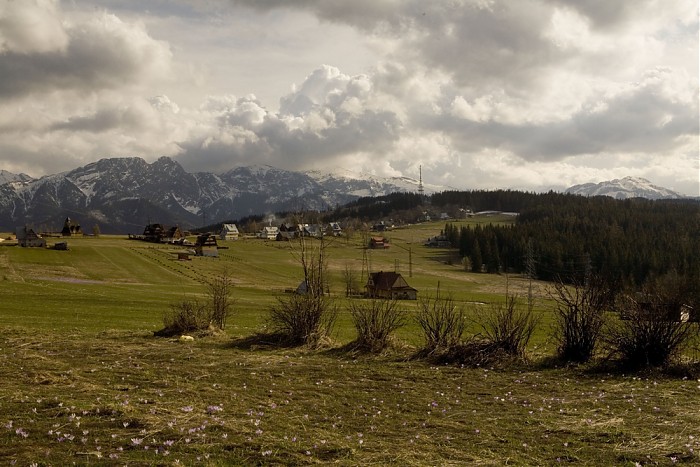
point(623, 188)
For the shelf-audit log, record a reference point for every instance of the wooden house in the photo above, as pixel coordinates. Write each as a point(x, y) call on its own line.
point(268, 233)
point(378, 243)
point(173, 234)
point(71, 228)
point(228, 232)
point(334, 229)
point(26, 237)
point(313, 230)
point(154, 233)
point(206, 245)
point(390, 285)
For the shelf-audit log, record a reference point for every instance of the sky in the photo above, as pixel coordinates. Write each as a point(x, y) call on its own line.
point(530, 95)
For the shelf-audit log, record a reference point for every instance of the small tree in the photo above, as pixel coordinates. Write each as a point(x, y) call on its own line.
point(350, 277)
point(579, 316)
point(219, 290)
point(442, 322)
point(375, 320)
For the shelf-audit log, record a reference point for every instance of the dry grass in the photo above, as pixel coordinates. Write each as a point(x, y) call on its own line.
point(128, 398)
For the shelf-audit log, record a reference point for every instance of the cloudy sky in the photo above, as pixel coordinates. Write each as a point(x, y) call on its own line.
point(522, 94)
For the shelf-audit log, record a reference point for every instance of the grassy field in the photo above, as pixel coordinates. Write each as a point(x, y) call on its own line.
point(83, 381)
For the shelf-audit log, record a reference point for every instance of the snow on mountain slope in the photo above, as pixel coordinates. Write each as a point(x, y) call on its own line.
point(628, 187)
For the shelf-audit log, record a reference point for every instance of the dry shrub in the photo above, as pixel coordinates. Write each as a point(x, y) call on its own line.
point(303, 319)
point(185, 317)
point(508, 327)
point(442, 322)
point(579, 316)
point(646, 337)
point(375, 320)
point(475, 353)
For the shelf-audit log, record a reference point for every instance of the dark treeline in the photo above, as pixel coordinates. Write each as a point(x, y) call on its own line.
point(565, 236)
point(370, 208)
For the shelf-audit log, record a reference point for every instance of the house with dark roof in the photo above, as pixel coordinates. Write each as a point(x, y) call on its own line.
point(71, 228)
point(390, 285)
point(206, 245)
point(154, 233)
point(26, 237)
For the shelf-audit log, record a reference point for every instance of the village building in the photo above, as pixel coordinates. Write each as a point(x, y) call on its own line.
point(26, 237)
point(389, 285)
point(313, 230)
point(71, 228)
point(334, 229)
point(154, 233)
point(228, 232)
point(173, 234)
point(288, 232)
point(206, 245)
point(268, 233)
point(378, 243)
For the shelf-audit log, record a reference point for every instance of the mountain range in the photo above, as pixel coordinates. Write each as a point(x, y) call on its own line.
point(122, 195)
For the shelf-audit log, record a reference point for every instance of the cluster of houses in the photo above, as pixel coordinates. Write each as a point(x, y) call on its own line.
point(289, 231)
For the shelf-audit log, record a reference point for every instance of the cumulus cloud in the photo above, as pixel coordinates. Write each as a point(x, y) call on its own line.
point(481, 93)
point(325, 119)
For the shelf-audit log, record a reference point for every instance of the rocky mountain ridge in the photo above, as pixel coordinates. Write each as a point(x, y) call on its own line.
point(122, 195)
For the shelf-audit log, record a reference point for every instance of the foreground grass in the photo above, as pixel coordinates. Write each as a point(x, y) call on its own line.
point(129, 398)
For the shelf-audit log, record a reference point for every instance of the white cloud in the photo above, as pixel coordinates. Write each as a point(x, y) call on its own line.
point(481, 93)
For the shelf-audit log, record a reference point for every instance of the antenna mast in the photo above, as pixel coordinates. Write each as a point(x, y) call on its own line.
point(420, 180)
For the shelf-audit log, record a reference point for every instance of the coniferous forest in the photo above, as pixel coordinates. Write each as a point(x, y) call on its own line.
point(565, 236)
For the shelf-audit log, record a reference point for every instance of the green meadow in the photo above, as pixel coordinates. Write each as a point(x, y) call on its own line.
point(83, 381)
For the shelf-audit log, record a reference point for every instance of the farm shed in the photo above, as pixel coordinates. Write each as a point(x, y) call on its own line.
point(26, 237)
point(389, 285)
point(206, 246)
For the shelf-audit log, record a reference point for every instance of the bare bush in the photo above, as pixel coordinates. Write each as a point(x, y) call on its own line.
point(185, 317)
point(579, 316)
point(442, 322)
point(509, 327)
point(303, 319)
point(375, 320)
point(648, 336)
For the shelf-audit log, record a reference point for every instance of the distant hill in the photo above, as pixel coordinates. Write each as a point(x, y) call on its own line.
point(122, 195)
point(624, 188)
